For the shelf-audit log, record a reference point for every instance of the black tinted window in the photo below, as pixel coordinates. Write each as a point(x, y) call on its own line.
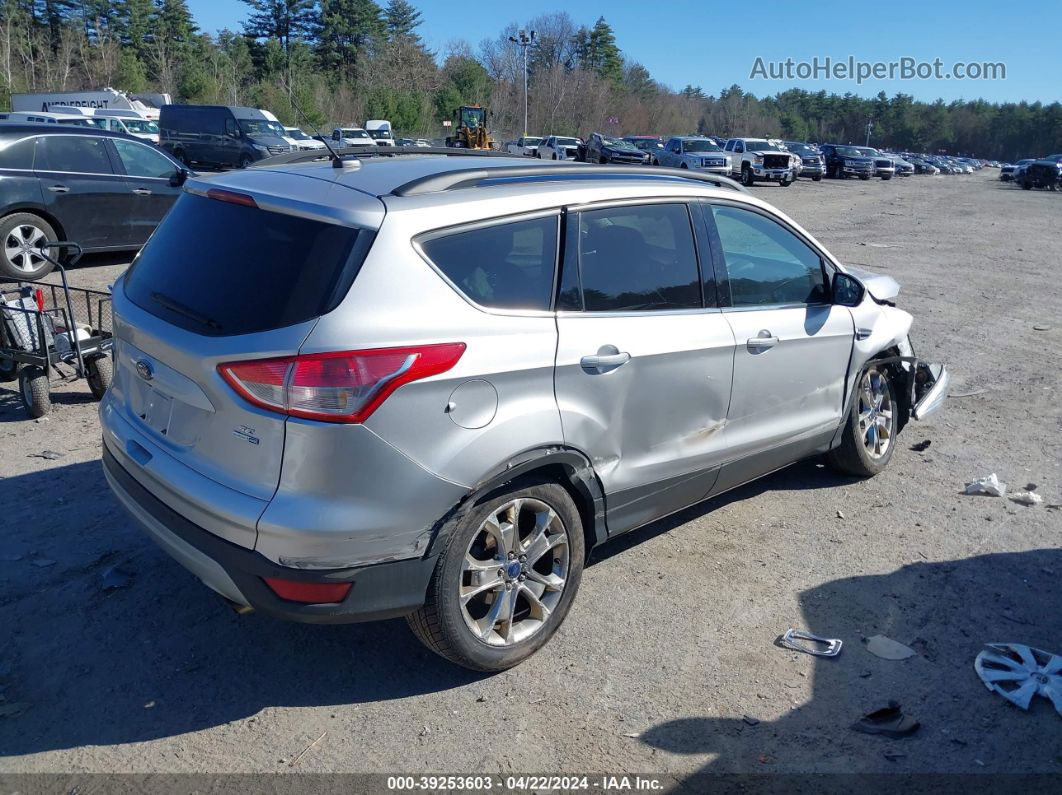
point(638, 259)
point(505, 266)
point(84, 154)
point(766, 263)
point(140, 160)
point(243, 269)
point(17, 154)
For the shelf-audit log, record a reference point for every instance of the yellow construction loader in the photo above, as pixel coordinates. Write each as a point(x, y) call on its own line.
point(470, 129)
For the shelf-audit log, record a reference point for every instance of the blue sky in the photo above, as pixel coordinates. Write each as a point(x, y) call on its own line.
point(674, 40)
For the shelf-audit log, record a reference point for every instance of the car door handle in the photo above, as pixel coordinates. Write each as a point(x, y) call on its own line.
point(599, 361)
point(762, 341)
point(58, 189)
point(141, 191)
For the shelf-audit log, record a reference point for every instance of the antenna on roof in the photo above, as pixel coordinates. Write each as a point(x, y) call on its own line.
point(337, 161)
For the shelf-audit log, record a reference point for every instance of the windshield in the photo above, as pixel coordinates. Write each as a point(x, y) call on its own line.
point(567, 142)
point(700, 146)
point(142, 126)
point(297, 134)
point(760, 146)
point(868, 152)
point(803, 149)
point(619, 143)
point(260, 127)
point(472, 117)
point(83, 122)
point(381, 135)
point(349, 133)
point(848, 151)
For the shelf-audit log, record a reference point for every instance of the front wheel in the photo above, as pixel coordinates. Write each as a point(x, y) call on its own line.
point(746, 177)
point(34, 390)
point(21, 257)
point(505, 579)
point(864, 177)
point(817, 179)
point(869, 435)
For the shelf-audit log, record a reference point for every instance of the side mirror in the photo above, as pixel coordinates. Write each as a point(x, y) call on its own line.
point(847, 290)
point(178, 177)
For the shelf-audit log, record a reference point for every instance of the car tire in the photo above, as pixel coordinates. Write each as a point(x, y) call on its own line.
point(817, 179)
point(785, 183)
point(746, 176)
point(34, 390)
point(182, 156)
point(886, 177)
point(245, 161)
point(683, 165)
point(1026, 185)
point(864, 177)
point(8, 370)
point(459, 619)
point(99, 372)
point(17, 231)
point(863, 451)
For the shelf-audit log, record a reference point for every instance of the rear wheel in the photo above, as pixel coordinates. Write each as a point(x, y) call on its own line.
point(8, 370)
point(21, 236)
point(34, 390)
point(870, 430)
point(505, 579)
point(245, 161)
point(100, 373)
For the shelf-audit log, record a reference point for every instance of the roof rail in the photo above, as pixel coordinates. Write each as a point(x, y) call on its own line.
point(359, 152)
point(458, 179)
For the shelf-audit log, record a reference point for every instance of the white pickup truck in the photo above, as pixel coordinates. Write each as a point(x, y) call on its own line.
point(758, 160)
point(526, 145)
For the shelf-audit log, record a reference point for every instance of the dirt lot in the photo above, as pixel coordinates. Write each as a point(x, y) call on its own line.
point(670, 645)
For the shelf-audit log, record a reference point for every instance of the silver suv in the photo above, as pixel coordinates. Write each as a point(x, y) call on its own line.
point(428, 386)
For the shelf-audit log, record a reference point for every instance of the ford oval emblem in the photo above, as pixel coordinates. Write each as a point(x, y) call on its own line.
point(143, 369)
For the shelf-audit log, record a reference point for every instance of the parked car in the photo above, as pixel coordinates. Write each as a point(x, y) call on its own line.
point(364, 440)
point(601, 148)
point(526, 145)
point(921, 165)
point(301, 141)
point(844, 161)
point(694, 152)
point(48, 117)
point(757, 159)
point(883, 165)
point(558, 147)
point(102, 190)
point(1011, 171)
point(812, 163)
point(1043, 173)
point(650, 144)
point(218, 135)
point(352, 137)
point(903, 167)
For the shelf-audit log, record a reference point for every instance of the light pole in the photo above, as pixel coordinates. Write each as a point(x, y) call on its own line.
point(524, 42)
point(870, 128)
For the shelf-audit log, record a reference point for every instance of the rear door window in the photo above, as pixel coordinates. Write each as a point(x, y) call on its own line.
point(139, 160)
point(17, 155)
point(503, 266)
point(218, 268)
point(74, 154)
point(633, 259)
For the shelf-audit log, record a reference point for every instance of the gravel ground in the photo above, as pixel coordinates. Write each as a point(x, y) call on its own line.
point(667, 663)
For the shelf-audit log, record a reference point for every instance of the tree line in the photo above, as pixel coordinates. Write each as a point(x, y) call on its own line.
point(316, 62)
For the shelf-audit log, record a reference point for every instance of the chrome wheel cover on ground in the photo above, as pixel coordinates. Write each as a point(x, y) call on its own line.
point(22, 247)
point(877, 419)
point(514, 572)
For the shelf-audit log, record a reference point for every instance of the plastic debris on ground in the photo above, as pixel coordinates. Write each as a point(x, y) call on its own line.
point(1018, 672)
point(889, 721)
point(114, 577)
point(826, 647)
point(988, 485)
point(1026, 498)
point(888, 649)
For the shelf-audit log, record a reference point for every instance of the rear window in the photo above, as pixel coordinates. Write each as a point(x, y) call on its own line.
point(220, 269)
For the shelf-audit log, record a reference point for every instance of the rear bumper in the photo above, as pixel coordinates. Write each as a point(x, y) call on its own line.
point(380, 591)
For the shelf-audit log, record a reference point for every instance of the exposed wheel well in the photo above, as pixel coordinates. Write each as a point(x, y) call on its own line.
point(52, 222)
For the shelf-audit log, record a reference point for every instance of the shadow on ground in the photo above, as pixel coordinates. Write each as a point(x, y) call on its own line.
point(946, 612)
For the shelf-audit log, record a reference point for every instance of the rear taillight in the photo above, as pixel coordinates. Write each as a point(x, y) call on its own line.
point(336, 387)
point(311, 593)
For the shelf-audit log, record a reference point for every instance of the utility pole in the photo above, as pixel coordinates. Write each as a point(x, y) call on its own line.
point(524, 42)
point(870, 128)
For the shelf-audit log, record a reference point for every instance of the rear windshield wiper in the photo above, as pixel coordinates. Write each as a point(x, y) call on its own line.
point(181, 309)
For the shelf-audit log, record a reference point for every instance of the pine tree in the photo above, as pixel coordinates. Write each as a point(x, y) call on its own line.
point(597, 52)
point(347, 31)
point(401, 19)
point(283, 20)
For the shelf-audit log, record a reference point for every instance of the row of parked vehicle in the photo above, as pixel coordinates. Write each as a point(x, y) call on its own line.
point(1029, 173)
point(750, 160)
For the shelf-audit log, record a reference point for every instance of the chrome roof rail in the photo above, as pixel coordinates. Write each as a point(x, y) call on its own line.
point(359, 152)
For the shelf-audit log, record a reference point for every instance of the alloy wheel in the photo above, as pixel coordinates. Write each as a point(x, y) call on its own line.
point(22, 247)
point(515, 571)
point(877, 420)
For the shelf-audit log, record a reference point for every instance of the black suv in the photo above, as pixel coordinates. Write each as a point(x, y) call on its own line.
point(606, 149)
point(845, 161)
point(107, 191)
point(1043, 173)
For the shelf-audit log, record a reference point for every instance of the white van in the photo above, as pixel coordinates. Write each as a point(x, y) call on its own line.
point(20, 117)
point(380, 130)
point(130, 122)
